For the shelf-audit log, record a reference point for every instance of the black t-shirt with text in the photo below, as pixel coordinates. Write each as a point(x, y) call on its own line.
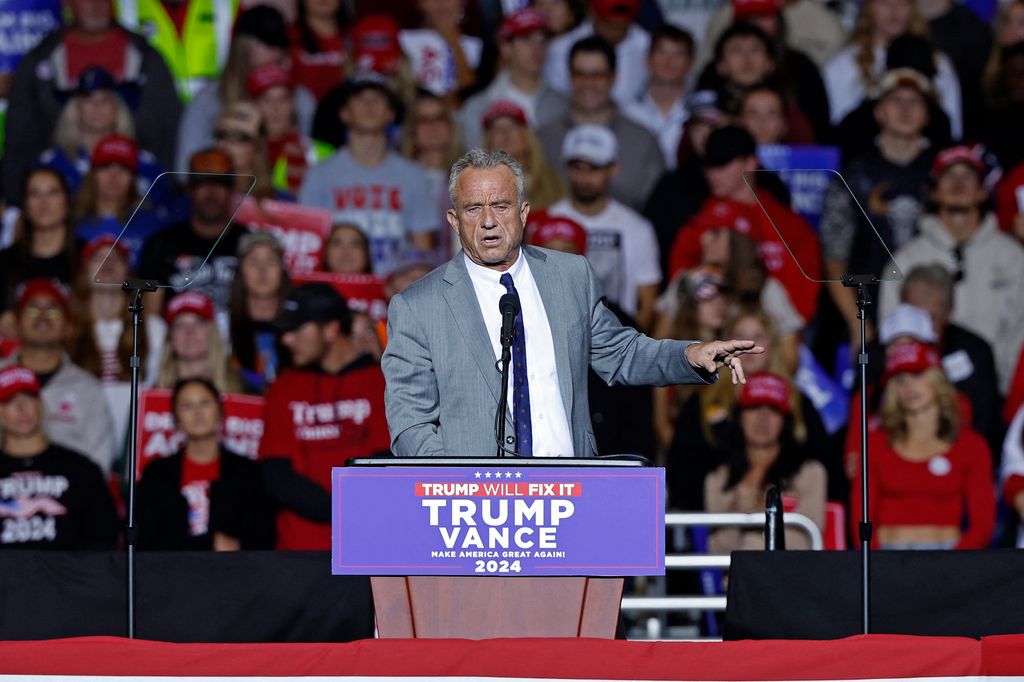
point(57, 499)
point(172, 255)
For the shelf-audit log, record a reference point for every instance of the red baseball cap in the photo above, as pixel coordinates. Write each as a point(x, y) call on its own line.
point(504, 108)
point(104, 242)
point(43, 286)
point(912, 356)
point(15, 379)
point(375, 43)
point(717, 214)
point(524, 22)
point(116, 149)
point(969, 154)
point(189, 302)
point(755, 8)
point(550, 228)
point(616, 10)
point(267, 76)
point(766, 388)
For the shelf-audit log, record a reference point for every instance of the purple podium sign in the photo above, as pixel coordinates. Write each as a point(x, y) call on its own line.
point(514, 520)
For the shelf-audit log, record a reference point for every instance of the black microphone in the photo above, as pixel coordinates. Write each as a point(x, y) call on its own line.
point(509, 307)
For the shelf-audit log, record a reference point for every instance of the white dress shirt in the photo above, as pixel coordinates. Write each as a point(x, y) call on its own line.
point(551, 434)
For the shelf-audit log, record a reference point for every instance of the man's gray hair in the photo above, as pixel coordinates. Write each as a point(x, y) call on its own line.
point(484, 159)
point(933, 275)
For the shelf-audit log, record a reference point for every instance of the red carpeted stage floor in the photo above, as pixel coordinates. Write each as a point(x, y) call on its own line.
point(873, 657)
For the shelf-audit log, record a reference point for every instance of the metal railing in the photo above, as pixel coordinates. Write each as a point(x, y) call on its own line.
point(698, 562)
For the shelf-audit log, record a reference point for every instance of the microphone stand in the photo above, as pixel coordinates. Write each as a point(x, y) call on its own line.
point(499, 417)
point(860, 283)
point(136, 287)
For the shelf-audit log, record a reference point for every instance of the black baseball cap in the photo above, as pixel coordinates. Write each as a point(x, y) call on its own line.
point(265, 24)
point(727, 144)
point(95, 78)
point(314, 302)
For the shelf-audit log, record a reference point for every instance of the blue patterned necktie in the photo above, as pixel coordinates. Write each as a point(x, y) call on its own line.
point(520, 385)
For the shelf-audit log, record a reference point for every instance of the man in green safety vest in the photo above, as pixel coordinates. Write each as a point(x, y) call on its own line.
point(193, 36)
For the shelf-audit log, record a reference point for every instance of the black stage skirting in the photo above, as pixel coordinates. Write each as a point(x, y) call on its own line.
point(816, 595)
point(183, 597)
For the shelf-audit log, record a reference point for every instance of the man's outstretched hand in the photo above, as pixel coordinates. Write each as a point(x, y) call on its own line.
point(713, 355)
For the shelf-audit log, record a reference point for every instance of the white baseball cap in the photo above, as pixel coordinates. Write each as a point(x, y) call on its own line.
point(907, 320)
point(591, 143)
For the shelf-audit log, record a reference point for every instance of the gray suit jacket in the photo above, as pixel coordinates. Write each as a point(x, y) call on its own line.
point(442, 385)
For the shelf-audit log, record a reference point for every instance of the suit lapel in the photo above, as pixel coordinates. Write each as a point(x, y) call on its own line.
point(553, 292)
point(465, 308)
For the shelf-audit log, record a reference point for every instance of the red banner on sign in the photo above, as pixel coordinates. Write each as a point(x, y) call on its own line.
point(364, 293)
point(302, 230)
point(158, 437)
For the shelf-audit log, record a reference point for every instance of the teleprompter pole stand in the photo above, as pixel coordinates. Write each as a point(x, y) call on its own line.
point(860, 283)
point(135, 287)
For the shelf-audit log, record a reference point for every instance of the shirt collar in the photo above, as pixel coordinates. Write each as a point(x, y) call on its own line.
point(486, 275)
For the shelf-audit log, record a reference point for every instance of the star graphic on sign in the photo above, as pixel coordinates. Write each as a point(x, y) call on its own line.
point(487, 475)
point(508, 474)
point(476, 475)
point(519, 474)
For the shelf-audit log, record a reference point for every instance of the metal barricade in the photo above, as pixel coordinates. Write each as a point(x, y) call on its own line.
point(664, 603)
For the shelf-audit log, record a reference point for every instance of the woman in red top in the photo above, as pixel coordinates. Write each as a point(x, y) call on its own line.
point(318, 46)
point(927, 472)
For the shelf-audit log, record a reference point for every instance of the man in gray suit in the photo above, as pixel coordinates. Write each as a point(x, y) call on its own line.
point(443, 335)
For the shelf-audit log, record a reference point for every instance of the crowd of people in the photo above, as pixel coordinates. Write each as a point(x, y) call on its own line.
point(641, 127)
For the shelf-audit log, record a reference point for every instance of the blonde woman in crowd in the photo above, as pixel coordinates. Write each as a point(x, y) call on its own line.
point(856, 71)
point(930, 475)
point(195, 346)
point(505, 128)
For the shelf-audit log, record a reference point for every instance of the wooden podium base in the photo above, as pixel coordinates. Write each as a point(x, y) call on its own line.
point(471, 607)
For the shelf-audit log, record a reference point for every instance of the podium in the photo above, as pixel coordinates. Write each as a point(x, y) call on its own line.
point(581, 600)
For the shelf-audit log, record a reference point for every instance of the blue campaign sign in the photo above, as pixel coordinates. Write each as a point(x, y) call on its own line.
point(805, 170)
point(23, 23)
point(508, 520)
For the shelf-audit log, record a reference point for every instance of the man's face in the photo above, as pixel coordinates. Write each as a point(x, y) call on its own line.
point(592, 79)
point(307, 343)
point(20, 416)
point(959, 188)
point(278, 109)
point(589, 183)
point(763, 116)
point(669, 62)
point(745, 61)
point(902, 112)
point(211, 202)
point(42, 322)
point(488, 217)
point(92, 15)
point(726, 181)
point(525, 54)
point(367, 111)
point(932, 301)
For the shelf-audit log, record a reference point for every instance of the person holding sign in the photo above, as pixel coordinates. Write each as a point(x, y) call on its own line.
point(443, 335)
point(204, 496)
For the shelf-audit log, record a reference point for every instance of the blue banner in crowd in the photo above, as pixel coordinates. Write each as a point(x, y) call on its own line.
point(805, 170)
point(23, 23)
point(830, 399)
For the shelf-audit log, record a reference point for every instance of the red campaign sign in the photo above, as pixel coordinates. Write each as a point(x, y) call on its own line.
point(364, 293)
point(302, 230)
point(158, 437)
